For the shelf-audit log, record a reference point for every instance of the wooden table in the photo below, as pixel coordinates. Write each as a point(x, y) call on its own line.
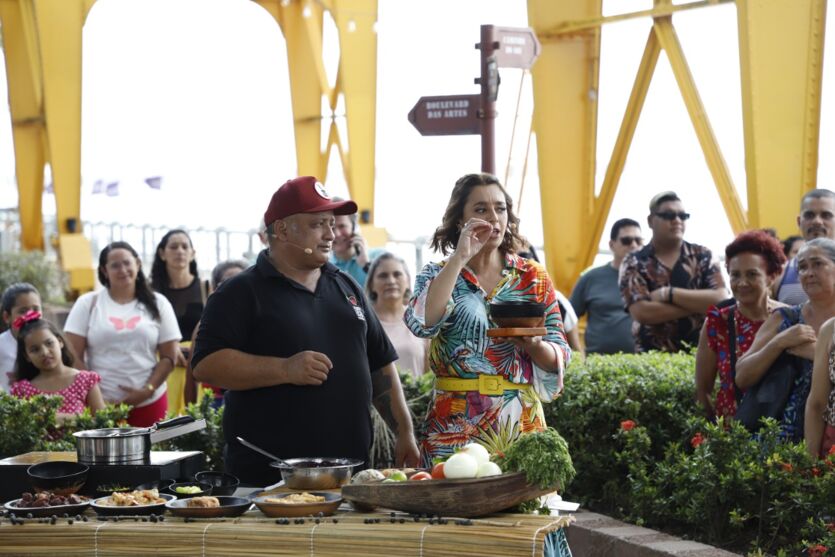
point(253, 535)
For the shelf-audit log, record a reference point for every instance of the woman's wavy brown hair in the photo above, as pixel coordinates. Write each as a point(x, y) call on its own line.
point(446, 236)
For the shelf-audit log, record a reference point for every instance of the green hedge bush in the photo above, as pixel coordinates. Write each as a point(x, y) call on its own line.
point(35, 268)
point(655, 389)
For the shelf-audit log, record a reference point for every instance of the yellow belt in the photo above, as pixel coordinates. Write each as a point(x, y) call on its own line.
point(485, 384)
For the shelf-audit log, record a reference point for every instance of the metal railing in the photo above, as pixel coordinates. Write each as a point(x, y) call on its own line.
point(212, 245)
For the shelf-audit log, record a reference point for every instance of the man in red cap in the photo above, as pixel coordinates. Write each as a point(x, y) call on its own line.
point(299, 350)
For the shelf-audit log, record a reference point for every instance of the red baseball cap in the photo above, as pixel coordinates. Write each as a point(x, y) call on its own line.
point(304, 194)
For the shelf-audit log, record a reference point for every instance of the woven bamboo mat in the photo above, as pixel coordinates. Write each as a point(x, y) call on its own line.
point(253, 536)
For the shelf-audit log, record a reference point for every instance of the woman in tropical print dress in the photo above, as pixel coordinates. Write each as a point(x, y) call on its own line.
point(450, 305)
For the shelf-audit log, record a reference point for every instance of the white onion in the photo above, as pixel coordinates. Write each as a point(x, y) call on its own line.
point(488, 469)
point(476, 451)
point(460, 466)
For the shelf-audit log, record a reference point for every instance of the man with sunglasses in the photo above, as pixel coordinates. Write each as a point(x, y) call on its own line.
point(609, 328)
point(668, 285)
point(817, 213)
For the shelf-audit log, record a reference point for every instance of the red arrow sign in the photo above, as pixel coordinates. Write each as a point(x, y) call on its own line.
point(518, 47)
point(447, 115)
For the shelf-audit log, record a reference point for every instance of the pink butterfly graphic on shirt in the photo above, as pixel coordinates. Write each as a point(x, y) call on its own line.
point(121, 324)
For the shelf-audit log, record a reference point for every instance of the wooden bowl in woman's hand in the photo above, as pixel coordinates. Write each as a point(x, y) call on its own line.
point(518, 314)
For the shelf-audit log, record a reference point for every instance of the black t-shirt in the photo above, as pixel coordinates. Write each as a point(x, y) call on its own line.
point(188, 306)
point(262, 312)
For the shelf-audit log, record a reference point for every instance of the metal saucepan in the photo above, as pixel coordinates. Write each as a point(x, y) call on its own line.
point(310, 473)
point(130, 444)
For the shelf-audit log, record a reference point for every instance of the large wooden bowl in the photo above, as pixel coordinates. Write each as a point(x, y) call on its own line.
point(465, 498)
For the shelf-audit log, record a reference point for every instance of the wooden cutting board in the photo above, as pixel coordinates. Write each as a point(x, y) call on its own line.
point(465, 498)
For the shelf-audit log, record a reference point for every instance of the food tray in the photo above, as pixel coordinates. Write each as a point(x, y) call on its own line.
point(143, 510)
point(229, 507)
point(39, 512)
point(465, 498)
point(326, 507)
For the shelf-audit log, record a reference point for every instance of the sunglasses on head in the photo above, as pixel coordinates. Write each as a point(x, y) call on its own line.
point(629, 240)
point(671, 215)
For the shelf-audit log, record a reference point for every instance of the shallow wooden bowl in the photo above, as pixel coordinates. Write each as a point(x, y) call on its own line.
point(465, 498)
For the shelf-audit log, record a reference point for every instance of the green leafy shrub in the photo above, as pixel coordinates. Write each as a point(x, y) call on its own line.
point(35, 268)
point(654, 389)
point(209, 440)
point(30, 424)
point(726, 487)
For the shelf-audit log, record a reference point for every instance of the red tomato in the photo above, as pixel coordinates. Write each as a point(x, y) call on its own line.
point(421, 476)
point(438, 471)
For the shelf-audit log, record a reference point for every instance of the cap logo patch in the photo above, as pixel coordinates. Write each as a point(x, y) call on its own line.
point(320, 189)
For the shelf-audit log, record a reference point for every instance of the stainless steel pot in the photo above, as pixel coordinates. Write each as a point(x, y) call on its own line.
point(130, 444)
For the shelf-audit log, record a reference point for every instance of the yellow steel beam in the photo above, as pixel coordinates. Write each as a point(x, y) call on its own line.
point(663, 29)
point(565, 83)
point(781, 54)
point(355, 20)
point(23, 67)
point(59, 25)
point(301, 22)
point(666, 9)
point(304, 51)
point(624, 140)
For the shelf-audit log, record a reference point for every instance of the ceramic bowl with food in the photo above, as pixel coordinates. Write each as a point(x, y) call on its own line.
point(47, 504)
point(204, 507)
point(121, 504)
point(518, 314)
point(58, 476)
point(316, 473)
point(185, 490)
point(221, 482)
point(299, 504)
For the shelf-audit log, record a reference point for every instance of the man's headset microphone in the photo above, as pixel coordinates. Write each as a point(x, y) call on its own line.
point(274, 233)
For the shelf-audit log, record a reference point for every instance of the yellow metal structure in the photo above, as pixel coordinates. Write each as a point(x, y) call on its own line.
point(781, 60)
point(356, 81)
point(781, 99)
point(42, 44)
point(781, 88)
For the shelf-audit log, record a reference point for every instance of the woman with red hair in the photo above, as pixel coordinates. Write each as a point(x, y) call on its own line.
point(754, 261)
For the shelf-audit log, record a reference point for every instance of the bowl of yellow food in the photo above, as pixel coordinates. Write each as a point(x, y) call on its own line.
point(184, 490)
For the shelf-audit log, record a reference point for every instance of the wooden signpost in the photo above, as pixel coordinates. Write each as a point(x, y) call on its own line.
point(501, 47)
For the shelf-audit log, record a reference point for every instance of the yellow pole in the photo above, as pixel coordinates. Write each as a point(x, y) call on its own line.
point(565, 82)
point(781, 60)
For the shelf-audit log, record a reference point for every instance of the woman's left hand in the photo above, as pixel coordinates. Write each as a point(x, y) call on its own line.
point(182, 360)
point(135, 396)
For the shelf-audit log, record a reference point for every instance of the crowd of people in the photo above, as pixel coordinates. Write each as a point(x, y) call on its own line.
point(321, 327)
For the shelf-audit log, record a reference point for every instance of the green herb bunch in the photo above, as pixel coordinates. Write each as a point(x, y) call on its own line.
point(544, 458)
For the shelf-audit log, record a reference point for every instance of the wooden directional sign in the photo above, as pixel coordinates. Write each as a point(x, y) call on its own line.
point(447, 115)
point(518, 47)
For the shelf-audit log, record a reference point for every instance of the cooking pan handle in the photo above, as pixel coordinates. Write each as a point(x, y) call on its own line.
point(174, 422)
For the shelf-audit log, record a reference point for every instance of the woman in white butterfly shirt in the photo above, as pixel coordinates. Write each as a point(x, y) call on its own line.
point(118, 332)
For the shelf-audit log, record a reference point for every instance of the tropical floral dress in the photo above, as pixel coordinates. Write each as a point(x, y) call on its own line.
point(460, 348)
point(719, 341)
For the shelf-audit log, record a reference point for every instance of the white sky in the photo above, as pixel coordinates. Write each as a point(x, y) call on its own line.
point(197, 91)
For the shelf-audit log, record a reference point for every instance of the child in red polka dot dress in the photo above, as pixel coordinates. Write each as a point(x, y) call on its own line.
point(44, 366)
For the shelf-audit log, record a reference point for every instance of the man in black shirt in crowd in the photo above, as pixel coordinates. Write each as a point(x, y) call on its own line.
point(301, 353)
